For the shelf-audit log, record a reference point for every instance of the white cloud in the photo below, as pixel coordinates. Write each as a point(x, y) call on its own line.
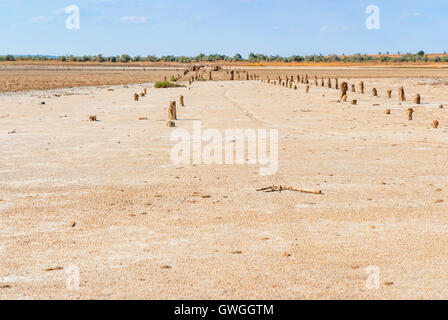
point(58, 11)
point(410, 15)
point(41, 19)
point(134, 19)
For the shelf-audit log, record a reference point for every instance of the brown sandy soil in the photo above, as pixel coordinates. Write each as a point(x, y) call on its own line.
point(147, 229)
point(20, 78)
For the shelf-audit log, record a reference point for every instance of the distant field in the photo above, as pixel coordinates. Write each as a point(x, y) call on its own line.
point(42, 76)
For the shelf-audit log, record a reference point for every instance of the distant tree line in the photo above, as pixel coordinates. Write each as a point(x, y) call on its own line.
point(253, 58)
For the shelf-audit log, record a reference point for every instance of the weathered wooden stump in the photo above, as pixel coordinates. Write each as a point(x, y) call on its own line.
point(389, 94)
point(172, 111)
point(344, 89)
point(435, 124)
point(181, 101)
point(401, 94)
point(410, 114)
point(417, 99)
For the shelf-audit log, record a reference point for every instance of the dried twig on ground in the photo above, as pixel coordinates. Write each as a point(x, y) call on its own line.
point(283, 188)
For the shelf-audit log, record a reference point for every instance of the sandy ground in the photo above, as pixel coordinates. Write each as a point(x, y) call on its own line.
point(105, 197)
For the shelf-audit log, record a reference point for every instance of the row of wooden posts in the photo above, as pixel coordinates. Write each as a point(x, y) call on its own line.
point(291, 83)
point(344, 88)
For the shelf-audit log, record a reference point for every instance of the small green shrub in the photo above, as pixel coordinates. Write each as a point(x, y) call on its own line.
point(166, 84)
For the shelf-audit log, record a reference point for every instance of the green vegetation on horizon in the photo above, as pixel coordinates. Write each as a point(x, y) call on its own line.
point(253, 58)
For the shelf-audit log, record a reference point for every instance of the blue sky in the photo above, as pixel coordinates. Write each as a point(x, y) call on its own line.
point(190, 27)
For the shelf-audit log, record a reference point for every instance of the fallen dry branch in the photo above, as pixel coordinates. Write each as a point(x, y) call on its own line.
point(283, 188)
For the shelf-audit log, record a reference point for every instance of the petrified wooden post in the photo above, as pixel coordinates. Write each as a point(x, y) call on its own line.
point(389, 94)
point(344, 89)
point(401, 94)
point(410, 113)
point(361, 87)
point(435, 124)
point(136, 97)
point(417, 99)
point(172, 112)
point(181, 101)
point(307, 88)
point(374, 92)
